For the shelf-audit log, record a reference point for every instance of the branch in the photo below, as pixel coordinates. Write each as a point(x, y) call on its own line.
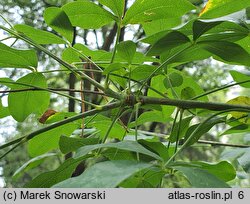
point(28, 137)
point(189, 104)
point(182, 104)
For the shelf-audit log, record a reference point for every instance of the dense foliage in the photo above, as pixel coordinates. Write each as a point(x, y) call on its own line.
point(140, 111)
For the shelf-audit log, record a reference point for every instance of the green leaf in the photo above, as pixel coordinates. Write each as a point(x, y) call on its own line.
point(218, 8)
point(197, 54)
point(7, 82)
point(200, 178)
point(138, 58)
point(69, 144)
point(22, 104)
point(102, 124)
point(248, 12)
point(126, 50)
point(184, 126)
point(187, 93)
point(49, 140)
point(115, 154)
point(204, 128)
point(227, 26)
point(147, 10)
point(157, 83)
point(124, 145)
point(169, 41)
point(121, 81)
point(10, 57)
point(242, 128)
point(225, 31)
point(58, 116)
point(241, 116)
point(174, 80)
point(240, 77)
point(4, 111)
point(241, 155)
point(245, 43)
point(96, 55)
point(151, 39)
point(142, 72)
point(99, 56)
point(70, 55)
point(152, 116)
point(87, 14)
point(186, 28)
point(184, 90)
point(108, 174)
point(232, 154)
point(113, 67)
point(226, 36)
point(228, 51)
point(159, 25)
point(157, 147)
point(39, 36)
point(48, 179)
point(244, 161)
point(148, 178)
point(34, 162)
point(201, 27)
point(223, 170)
point(117, 6)
point(57, 19)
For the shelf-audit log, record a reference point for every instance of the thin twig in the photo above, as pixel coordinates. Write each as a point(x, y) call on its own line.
point(53, 89)
point(49, 90)
point(219, 89)
point(214, 143)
